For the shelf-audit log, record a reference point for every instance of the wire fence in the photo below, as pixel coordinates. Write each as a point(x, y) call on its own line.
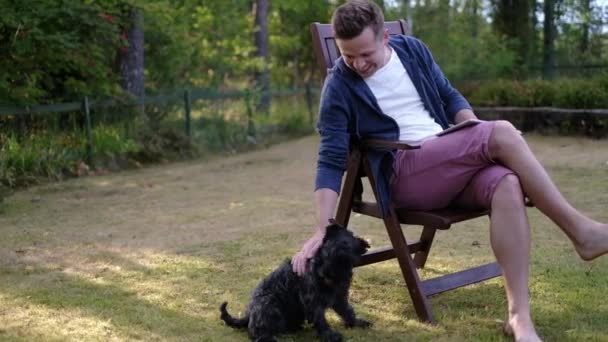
point(210, 118)
point(225, 119)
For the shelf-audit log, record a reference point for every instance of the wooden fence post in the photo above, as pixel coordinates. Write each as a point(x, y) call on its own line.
point(309, 102)
point(250, 125)
point(87, 127)
point(187, 106)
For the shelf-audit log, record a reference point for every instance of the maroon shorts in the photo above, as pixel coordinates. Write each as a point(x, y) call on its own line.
point(454, 169)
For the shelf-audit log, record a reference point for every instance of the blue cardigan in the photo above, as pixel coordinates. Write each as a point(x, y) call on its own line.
point(349, 112)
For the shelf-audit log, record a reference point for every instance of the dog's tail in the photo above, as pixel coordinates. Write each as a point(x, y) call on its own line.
point(231, 321)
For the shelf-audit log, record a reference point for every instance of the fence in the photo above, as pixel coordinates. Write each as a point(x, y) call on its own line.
point(102, 132)
point(216, 119)
point(190, 108)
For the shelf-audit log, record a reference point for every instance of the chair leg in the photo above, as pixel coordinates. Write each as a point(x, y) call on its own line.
point(345, 204)
point(426, 237)
point(403, 255)
point(408, 268)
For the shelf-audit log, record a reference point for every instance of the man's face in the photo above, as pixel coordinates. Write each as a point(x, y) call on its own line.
point(366, 53)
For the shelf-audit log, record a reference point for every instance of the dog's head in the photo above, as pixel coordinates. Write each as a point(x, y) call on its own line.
point(343, 241)
point(338, 253)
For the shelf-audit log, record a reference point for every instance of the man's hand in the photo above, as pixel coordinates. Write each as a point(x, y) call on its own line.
point(299, 261)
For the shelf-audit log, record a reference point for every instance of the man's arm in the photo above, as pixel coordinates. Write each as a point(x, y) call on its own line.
point(325, 202)
point(333, 156)
point(325, 205)
point(464, 114)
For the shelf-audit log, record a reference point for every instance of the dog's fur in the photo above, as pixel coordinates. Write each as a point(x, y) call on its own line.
point(283, 301)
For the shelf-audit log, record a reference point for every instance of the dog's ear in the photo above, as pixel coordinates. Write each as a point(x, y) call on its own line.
point(334, 224)
point(333, 228)
point(362, 246)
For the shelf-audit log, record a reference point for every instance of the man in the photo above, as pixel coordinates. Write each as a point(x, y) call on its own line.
point(393, 89)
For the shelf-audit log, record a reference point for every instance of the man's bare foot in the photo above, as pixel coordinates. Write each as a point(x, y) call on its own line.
point(595, 242)
point(521, 330)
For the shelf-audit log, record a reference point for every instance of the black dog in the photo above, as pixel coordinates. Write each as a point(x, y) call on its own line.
point(283, 300)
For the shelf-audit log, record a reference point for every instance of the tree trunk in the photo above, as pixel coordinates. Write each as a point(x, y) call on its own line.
point(262, 76)
point(406, 12)
point(534, 42)
point(474, 5)
point(549, 40)
point(586, 14)
point(132, 58)
point(444, 26)
point(513, 18)
point(381, 4)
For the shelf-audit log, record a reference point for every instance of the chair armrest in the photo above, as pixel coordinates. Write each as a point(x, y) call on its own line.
point(390, 144)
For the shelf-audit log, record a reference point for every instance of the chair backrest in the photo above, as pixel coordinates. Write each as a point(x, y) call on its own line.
point(326, 51)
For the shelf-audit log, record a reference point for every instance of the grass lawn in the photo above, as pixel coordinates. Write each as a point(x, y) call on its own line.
point(150, 254)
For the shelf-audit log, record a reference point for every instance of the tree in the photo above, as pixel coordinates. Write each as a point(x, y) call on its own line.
point(132, 56)
point(262, 73)
point(586, 26)
point(291, 53)
point(53, 50)
point(549, 39)
point(513, 20)
point(406, 12)
point(473, 8)
point(444, 24)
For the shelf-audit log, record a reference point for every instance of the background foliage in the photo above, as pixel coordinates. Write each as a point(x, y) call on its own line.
point(60, 50)
point(497, 52)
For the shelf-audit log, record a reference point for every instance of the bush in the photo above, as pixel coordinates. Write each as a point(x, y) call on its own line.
point(561, 93)
point(164, 144)
point(4, 192)
point(47, 155)
point(581, 94)
point(216, 133)
point(22, 162)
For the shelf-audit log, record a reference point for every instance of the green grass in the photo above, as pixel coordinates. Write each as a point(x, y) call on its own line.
point(150, 254)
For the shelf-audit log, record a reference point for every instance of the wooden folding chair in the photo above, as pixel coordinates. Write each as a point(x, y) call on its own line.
point(351, 201)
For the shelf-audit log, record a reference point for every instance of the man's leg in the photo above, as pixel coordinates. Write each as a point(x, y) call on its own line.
point(590, 238)
point(510, 239)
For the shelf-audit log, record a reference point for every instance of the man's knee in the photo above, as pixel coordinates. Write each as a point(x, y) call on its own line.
point(509, 191)
point(505, 138)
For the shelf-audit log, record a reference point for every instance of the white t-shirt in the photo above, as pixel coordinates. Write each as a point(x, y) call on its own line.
point(399, 99)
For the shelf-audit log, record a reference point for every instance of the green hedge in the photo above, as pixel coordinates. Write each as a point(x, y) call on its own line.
point(589, 93)
point(563, 93)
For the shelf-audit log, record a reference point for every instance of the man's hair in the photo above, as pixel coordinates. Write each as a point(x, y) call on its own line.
point(351, 18)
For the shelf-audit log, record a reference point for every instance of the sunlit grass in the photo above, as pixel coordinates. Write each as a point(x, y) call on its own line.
point(150, 254)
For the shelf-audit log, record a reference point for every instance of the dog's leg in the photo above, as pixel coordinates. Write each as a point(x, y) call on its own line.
point(343, 308)
point(264, 339)
point(325, 332)
point(261, 335)
point(265, 322)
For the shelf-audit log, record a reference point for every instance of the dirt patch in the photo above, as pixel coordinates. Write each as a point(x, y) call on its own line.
point(166, 207)
point(183, 206)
